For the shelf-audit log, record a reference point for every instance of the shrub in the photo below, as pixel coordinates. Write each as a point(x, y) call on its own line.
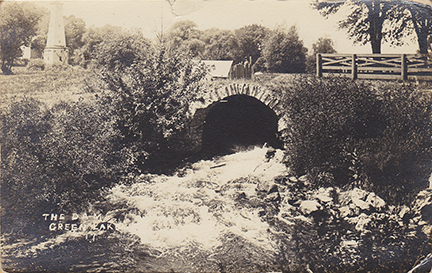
point(54, 159)
point(21, 62)
point(150, 89)
point(358, 133)
point(36, 65)
point(323, 116)
point(80, 149)
point(24, 125)
point(399, 161)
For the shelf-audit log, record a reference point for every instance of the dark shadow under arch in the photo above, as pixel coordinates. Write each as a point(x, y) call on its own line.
point(238, 121)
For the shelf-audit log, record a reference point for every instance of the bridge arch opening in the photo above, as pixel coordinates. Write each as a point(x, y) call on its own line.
point(238, 121)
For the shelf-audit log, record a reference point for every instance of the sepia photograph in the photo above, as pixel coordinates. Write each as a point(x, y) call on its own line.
point(216, 136)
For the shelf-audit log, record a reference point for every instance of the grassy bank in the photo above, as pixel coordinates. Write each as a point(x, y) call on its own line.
point(49, 87)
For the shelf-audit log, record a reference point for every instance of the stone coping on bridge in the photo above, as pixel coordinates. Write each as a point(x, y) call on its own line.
point(212, 96)
point(264, 95)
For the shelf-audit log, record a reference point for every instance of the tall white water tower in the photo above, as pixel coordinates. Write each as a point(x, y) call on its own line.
point(56, 51)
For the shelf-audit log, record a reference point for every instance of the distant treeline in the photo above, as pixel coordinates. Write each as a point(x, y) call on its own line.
point(278, 50)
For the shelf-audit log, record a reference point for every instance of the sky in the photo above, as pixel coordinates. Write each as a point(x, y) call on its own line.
point(153, 15)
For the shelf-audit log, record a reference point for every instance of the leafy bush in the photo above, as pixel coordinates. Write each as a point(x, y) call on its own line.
point(54, 159)
point(35, 65)
point(323, 116)
point(150, 89)
point(21, 62)
point(23, 127)
point(358, 133)
point(400, 160)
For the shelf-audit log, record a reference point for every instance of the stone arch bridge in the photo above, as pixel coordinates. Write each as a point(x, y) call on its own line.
point(235, 116)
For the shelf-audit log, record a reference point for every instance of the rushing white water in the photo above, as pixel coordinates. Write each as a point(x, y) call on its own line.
point(200, 208)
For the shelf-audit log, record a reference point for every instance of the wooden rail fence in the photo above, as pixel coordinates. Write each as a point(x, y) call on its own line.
point(375, 66)
point(241, 71)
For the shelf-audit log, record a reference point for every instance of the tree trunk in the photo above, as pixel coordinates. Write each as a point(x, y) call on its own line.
point(376, 46)
point(422, 21)
point(422, 39)
point(376, 21)
point(421, 27)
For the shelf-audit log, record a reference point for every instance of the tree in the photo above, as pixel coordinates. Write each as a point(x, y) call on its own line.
point(74, 32)
point(284, 51)
point(221, 45)
point(91, 38)
point(365, 23)
point(119, 50)
point(18, 25)
point(417, 18)
point(38, 42)
point(421, 17)
point(183, 36)
point(251, 39)
point(322, 45)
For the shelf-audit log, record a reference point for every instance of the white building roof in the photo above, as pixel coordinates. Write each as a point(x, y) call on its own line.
point(218, 69)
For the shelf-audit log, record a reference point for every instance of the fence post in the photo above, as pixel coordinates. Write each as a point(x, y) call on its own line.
point(354, 67)
point(404, 68)
point(246, 70)
point(250, 76)
point(319, 65)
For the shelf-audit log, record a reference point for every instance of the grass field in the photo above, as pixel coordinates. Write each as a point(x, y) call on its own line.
point(48, 87)
point(53, 86)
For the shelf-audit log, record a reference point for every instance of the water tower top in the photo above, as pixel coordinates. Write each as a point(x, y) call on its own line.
point(56, 32)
